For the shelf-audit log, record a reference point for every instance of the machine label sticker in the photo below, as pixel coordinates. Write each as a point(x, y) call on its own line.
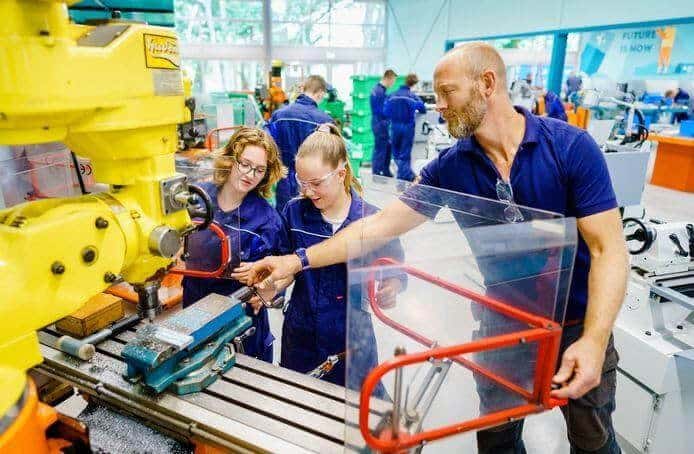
point(167, 83)
point(161, 52)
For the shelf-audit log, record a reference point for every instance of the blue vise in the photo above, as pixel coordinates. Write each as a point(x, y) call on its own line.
point(187, 351)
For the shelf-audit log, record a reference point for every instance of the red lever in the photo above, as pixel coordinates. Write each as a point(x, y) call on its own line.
point(224, 260)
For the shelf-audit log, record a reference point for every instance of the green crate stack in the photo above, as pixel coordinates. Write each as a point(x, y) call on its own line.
point(335, 109)
point(361, 119)
point(361, 110)
point(361, 101)
point(355, 153)
point(361, 113)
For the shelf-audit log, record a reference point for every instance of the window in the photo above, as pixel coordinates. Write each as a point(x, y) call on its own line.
point(223, 48)
point(328, 23)
point(238, 22)
point(223, 75)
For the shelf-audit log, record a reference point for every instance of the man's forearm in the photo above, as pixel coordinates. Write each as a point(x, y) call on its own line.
point(606, 288)
point(372, 232)
point(336, 249)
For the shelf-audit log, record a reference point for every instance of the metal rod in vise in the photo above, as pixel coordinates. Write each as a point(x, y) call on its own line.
point(84, 349)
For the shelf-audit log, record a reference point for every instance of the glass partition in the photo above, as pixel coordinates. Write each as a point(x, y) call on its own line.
point(471, 338)
point(33, 172)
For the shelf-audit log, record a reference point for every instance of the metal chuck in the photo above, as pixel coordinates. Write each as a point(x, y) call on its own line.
point(148, 306)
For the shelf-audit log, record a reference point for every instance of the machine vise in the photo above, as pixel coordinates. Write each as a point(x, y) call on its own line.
point(187, 351)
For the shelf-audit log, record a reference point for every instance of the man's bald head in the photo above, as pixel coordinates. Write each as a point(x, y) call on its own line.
point(469, 81)
point(473, 60)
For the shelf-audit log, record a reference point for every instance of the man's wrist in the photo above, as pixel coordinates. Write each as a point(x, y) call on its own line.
point(296, 263)
point(598, 336)
point(303, 259)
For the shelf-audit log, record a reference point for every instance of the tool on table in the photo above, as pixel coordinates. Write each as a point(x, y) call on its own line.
point(326, 366)
point(84, 348)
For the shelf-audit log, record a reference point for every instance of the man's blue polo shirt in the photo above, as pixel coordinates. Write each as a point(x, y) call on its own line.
point(558, 168)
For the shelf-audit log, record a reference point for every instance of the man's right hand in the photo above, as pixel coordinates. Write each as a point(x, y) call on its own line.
point(272, 269)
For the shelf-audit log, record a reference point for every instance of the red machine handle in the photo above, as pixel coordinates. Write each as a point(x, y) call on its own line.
point(224, 261)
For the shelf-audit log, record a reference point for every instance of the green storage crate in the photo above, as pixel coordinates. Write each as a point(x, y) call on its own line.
point(362, 131)
point(361, 102)
point(363, 84)
point(361, 122)
point(363, 137)
point(367, 151)
point(356, 155)
point(356, 166)
point(354, 150)
point(361, 113)
point(335, 109)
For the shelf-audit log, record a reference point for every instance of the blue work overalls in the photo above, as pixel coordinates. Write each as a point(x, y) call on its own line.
point(254, 230)
point(380, 160)
point(315, 322)
point(400, 108)
point(289, 127)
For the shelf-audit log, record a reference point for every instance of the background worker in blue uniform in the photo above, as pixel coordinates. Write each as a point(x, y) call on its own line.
point(508, 154)
point(315, 322)
point(680, 97)
point(243, 178)
point(573, 85)
point(289, 127)
point(380, 160)
point(554, 106)
point(400, 109)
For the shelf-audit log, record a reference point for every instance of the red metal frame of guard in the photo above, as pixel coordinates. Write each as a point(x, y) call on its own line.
point(223, 262)
point(545, 332)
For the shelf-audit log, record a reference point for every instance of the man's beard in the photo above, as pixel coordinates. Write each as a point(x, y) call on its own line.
point(464, 122)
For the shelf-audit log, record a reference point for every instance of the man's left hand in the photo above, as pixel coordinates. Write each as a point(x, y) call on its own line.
point(580, 370)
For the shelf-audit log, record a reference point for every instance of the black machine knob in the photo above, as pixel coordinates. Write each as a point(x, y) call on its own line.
point(642, 235)
point(676, 241)
point(690, 233)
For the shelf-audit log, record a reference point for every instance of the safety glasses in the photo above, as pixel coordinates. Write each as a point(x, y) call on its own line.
point(504, 192)
point(318, 182)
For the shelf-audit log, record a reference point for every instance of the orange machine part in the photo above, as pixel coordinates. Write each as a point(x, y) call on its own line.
point(170, 294)
point(28, 432)
point(541, 105)
point(674, 163)
point(201, 448)
point(582, 117)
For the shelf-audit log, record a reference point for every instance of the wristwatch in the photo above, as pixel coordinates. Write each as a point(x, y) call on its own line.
point(301, 253)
